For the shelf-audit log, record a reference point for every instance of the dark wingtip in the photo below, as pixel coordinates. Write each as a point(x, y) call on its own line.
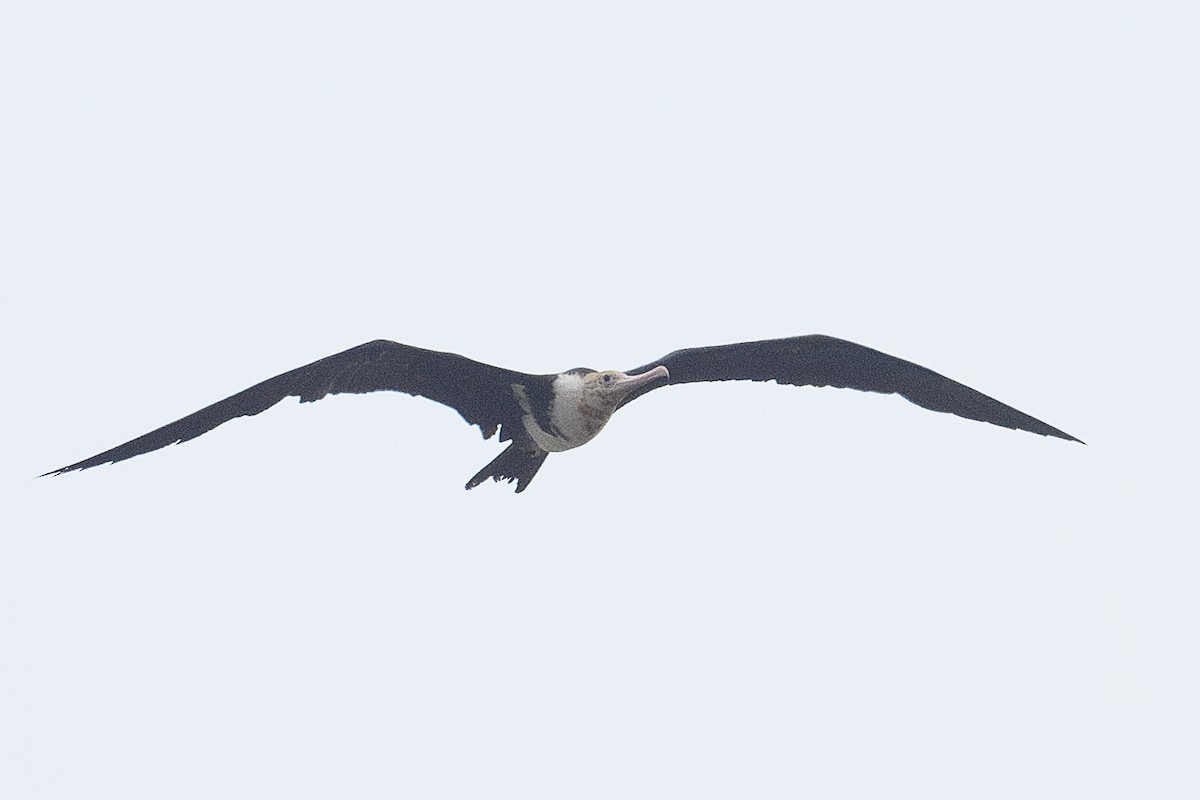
point(87, 463)
point(1048, 430)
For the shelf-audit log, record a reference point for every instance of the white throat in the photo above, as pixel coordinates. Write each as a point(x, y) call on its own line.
point(573, 421)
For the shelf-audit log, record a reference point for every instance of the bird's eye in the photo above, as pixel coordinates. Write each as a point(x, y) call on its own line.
point(607, 379)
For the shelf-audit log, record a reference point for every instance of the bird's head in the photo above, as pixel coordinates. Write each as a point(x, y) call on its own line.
point(607, 388)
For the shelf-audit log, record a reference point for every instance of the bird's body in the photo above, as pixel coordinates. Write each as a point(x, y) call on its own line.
point(542, 414)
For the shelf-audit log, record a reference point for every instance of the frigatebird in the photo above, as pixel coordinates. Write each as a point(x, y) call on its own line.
point(543, 414)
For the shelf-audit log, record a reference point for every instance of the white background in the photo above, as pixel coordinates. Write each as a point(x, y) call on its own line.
point(737, 590)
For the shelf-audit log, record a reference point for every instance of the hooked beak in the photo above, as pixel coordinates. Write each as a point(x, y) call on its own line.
point(631, 382)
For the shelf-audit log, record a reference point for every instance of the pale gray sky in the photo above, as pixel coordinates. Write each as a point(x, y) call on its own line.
point(736, 590)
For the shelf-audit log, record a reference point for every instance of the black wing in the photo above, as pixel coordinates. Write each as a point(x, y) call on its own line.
point(481, 393)
point(825, 361)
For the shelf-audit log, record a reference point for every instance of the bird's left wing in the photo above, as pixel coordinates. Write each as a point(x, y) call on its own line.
point(818, 360)
point(481, 393)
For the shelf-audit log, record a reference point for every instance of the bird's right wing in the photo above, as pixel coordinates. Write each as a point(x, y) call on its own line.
point(818, 360)
point(481, 393)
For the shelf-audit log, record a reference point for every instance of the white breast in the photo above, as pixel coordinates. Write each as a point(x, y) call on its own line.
point(574, 422)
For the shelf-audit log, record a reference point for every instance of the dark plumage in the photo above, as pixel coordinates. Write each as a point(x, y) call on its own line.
point(541, 414)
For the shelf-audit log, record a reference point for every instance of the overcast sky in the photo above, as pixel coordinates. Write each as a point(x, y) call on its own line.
point(736, 590)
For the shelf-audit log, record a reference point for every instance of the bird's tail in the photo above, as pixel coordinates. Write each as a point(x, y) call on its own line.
point(519, 462)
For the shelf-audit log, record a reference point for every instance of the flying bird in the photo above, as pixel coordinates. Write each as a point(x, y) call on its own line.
point(544, 414)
